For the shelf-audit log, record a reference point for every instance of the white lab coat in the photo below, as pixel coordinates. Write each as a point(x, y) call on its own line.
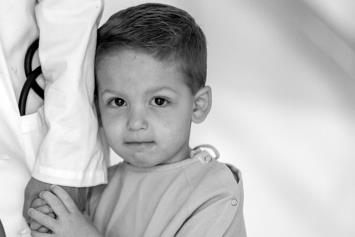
point(56, 142)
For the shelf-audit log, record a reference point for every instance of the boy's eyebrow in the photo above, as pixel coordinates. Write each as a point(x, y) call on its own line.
point(150, 91)
point(157, 89)
point(109, 91)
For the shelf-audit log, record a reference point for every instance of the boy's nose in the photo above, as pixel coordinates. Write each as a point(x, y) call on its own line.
point(137, 121)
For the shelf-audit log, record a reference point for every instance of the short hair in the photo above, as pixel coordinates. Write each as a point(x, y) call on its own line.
point(161, 30)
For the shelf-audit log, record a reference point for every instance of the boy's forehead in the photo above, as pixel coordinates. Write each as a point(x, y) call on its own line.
point(131, 54)
point(124, 67)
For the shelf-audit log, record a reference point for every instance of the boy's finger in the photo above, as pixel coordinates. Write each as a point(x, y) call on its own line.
point(65, 198)
point(43, 229)
point(34, 225)
point(44, 209)
point(54, 202)
point(42, 219)
point(38, 202)
point(39, 234)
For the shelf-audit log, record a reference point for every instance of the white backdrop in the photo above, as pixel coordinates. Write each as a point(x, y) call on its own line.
point(283, 80)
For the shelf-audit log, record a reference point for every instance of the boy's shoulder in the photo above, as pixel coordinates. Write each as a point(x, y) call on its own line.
point(214, 178)
point(217, 189)
point(211, 168)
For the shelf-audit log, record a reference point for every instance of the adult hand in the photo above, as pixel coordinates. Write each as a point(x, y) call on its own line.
point(69, 221)
point(34, 187)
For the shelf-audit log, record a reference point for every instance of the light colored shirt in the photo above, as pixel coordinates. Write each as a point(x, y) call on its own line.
point(194, 197)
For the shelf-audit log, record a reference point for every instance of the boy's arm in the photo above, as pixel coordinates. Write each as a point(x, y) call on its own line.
point(70, 154)
point(220, 217)
point(216, 206)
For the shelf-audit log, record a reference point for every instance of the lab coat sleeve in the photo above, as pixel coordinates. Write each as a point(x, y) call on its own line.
point(71, 152)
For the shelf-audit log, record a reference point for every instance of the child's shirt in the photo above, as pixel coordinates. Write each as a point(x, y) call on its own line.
point(195, 197)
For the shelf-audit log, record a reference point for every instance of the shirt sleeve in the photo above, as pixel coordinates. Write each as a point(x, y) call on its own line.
point(95, 193)
point(221, 211)
point(71, 152)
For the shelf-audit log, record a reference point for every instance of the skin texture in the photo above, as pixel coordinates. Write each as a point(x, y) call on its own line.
point(146, 111)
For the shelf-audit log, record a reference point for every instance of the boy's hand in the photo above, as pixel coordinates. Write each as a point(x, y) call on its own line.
point(40, 205)
point(34, 187)
point(69, 221)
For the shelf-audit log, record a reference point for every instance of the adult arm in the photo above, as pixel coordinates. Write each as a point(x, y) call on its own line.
point(70, 154)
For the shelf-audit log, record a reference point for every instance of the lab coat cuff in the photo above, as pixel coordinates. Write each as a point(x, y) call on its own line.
point(70, 178)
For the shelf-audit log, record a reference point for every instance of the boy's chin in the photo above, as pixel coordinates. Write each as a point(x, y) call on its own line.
point(142, 164)
point(141, 160)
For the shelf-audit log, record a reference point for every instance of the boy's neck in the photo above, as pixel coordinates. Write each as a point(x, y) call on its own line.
point(181, 155)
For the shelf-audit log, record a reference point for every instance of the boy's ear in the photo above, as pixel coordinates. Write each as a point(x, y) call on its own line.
point(202, 104)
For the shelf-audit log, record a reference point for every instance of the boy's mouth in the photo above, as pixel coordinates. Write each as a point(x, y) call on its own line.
point(139, 145)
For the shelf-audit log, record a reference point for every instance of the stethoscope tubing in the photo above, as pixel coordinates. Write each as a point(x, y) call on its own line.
point(28, 67)
point(31, 76)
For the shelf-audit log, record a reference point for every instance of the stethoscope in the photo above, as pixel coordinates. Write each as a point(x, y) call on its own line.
point(31, 76)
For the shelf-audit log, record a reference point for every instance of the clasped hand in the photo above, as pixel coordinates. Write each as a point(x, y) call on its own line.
point(56, 211)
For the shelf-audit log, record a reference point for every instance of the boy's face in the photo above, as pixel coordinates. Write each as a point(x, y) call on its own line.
point(145, 106)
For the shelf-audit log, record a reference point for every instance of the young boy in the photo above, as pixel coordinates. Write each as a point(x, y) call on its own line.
point(151, 72)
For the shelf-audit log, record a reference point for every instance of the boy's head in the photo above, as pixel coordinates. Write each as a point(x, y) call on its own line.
point(150, 71)
point(162, 31)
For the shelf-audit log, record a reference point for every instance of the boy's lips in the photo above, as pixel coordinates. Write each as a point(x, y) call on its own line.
point(137, 142)
point(139, 145)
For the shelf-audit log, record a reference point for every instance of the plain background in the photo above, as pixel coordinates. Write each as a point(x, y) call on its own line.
point(283, 80)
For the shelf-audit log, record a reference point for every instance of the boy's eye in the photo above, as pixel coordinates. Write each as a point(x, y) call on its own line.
point(117, 102)
point(159, 101)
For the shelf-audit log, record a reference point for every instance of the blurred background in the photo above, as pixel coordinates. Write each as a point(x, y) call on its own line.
point(283, 80)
